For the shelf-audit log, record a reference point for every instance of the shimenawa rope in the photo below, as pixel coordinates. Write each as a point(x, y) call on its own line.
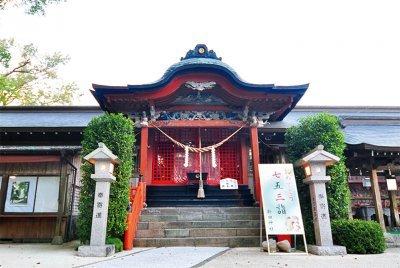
point(196, 149)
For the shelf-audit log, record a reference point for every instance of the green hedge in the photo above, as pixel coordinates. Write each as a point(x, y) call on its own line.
point(313, 130)
point(116, 242)
point(116, 132)
point(358, 236)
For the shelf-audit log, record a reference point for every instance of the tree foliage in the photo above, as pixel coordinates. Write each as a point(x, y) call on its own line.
point(322, 129)
point(116, 132)
point(32, 7)
point(30, 78)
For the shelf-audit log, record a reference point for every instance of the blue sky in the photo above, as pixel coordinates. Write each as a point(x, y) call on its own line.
point(349, 51)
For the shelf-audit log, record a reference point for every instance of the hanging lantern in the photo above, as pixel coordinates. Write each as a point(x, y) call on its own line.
point(186, 163)
point(213, 157)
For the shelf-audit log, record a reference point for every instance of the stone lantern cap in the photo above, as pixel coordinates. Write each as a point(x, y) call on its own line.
point(102, 153)
point(318, 155)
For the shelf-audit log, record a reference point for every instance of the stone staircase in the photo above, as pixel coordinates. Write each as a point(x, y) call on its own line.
point(181, 196)
point(198, 226)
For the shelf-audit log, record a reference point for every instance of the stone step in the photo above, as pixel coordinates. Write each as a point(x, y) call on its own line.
point(180, 196)
point(232, 241)
point(186, 210)
point(197, 232)
point(199, 224)
point(193, 188)
point(198, 216)
point(179, 202)
point(209, 195)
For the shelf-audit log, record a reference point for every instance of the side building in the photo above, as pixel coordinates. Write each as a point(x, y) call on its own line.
point(40, 171)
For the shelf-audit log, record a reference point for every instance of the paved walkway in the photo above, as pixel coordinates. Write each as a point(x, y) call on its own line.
point(46, 255)
point(171, 257)
point(252, 257)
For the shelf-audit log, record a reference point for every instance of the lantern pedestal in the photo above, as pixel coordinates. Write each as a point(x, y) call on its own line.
point(96, 251)
point(327, 250)
point(97, 247)
point(322, 224)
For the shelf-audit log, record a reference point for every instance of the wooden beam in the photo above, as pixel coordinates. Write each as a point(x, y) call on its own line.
point(197, 123)
point(394, 210)
point(376, 193)
point(29, 158)
point(59, 231)
point(144, 165)
point(244, 158)
point(255, 151)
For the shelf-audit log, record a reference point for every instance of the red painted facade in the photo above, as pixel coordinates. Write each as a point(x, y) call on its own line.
point(199, 100)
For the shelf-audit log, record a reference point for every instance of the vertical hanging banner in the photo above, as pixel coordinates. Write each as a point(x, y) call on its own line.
point(280, 200)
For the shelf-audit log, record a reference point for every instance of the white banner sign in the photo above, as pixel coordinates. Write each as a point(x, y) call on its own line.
point(280, 200)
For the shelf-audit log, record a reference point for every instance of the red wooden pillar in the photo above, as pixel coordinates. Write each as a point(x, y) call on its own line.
point(255, 151)
point(144, 143)
point(244, 162)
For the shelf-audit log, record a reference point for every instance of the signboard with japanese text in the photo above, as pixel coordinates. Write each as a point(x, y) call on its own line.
point(280, 199)
point(228, 184)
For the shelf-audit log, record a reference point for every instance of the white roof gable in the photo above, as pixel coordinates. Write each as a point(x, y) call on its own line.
point(319, 155)
point(102, 153)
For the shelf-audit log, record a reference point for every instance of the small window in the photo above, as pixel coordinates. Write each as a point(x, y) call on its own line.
point(27, 194)
point(47, 194)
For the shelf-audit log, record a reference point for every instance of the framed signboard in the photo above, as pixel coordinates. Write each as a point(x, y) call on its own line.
point(20, 194)
point(280, 200)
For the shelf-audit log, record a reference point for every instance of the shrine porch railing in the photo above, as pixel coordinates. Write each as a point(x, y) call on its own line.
point(137, 197)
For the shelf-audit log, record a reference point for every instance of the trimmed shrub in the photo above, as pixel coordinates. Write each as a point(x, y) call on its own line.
point(359, 236)
point(313, 130)
point(116, 242)
point(116, 132)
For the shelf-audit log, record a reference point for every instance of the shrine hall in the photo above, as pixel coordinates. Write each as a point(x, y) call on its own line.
point(200, 133)
point(199, 124)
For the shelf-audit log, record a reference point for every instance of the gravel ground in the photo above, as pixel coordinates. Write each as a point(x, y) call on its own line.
point(253, 257)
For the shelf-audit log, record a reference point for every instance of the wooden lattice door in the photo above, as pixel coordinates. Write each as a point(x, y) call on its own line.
point(168, 159)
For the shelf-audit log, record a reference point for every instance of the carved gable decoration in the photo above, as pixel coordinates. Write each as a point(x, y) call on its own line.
point(198, 98)
point(201, 51)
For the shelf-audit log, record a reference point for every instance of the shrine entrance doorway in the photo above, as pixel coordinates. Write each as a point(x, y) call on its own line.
point(168, 159)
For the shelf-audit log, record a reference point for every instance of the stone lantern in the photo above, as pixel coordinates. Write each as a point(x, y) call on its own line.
point(103, 160)
point(314, 164)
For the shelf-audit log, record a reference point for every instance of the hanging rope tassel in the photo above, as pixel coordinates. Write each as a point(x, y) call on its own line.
point(186, 163)
point(213, 157)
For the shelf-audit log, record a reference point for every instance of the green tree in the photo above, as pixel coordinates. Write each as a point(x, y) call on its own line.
point(32, 7)
point(30, 78)
point(322, 129)
point(116, 132)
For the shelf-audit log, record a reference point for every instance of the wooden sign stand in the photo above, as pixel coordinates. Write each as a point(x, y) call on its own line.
point(268, 246)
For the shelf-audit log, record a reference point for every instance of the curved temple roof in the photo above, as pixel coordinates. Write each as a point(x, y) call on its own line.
point(200, 60)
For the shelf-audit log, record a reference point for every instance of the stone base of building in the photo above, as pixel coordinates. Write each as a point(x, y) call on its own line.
point(57, 240)
point(96, 251)
point(327, 250)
